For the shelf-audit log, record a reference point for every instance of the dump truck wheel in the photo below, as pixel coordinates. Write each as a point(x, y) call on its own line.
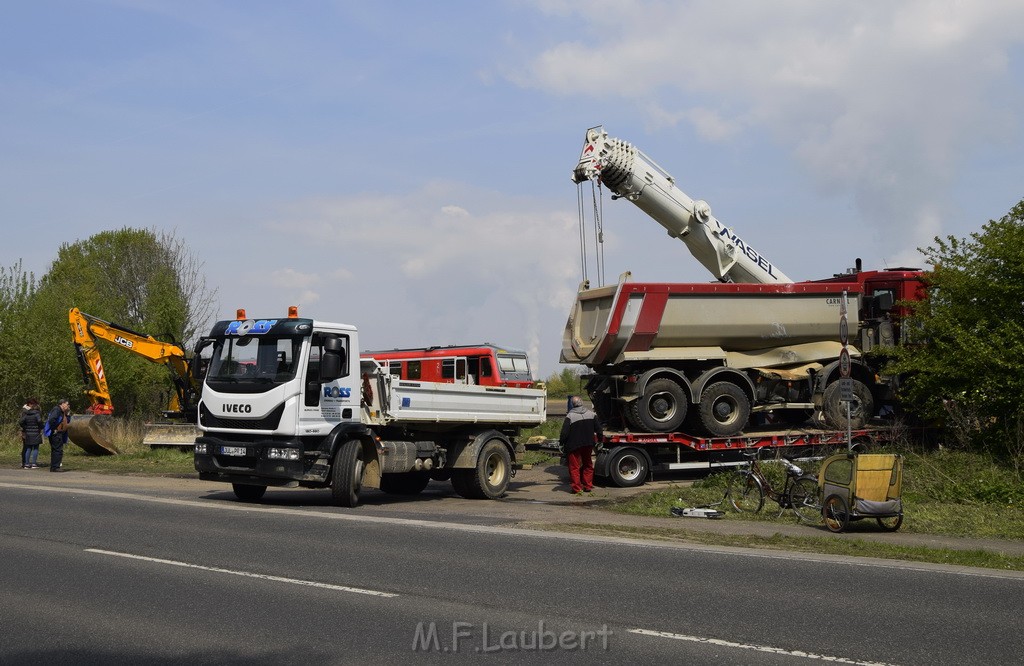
point(861, 409)
point(724, 409)
point(347, 474)
point(662, 407)
point(489, 479)
point(409, 483)
point(248, 493)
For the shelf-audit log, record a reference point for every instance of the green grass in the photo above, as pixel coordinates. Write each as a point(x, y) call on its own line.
point(944, 493)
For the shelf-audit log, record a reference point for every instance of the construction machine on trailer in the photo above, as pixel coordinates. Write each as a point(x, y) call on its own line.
point(691, 364)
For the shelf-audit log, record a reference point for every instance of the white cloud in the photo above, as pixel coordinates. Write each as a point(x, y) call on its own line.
point(446, 257)
point(877, 102)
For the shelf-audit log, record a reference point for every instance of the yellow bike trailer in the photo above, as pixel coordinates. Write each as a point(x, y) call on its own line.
point(862, 485)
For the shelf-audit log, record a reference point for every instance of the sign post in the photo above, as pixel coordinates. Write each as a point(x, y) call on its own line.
point(845, 380)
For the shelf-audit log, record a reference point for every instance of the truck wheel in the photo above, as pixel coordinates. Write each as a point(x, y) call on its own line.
point(724, 409)
point(248, 493)
point(409, 483)
point(662, 407)
point(834, 410)
point(489, 479)
point(628, 468)
point(347, 474)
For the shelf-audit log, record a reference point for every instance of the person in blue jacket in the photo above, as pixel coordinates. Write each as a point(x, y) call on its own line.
point(56, 430)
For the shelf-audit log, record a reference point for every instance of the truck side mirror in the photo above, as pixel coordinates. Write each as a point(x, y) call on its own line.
point(332, 364)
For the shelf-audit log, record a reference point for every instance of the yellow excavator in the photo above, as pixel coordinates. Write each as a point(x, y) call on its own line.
point(91, 431)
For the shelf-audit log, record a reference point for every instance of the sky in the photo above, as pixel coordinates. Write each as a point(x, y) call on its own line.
point(405, 166)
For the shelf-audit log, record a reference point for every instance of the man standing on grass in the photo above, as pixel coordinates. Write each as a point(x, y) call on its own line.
point(580, 431)
point(56, 429)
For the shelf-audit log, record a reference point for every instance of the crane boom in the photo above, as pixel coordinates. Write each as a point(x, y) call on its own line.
point(632, 175)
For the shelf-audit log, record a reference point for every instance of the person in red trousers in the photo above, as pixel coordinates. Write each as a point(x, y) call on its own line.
point(580, 431)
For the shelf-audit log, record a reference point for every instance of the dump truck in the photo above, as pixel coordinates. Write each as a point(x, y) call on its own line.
point(708, 358)
point(290, 402)
point(90, 431)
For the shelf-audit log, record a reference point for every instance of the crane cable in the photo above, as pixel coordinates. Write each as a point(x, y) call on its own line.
point(597, 207)
point(581, 220)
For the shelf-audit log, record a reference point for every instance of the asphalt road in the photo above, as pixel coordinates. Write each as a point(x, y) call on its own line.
point(129, 572)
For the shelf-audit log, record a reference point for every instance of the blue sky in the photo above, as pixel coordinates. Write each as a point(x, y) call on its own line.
point(404, 166)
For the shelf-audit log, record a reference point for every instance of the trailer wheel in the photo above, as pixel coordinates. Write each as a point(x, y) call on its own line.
point(861, 409)
point(489, 479)
point(836, 513)
point(628, 468)
point(724, 409)
point(409, 483)
point(662, 407)
point(347, 474)
point(248, 493)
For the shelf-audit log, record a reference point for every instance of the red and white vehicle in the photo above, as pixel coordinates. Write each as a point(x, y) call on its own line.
point(484, 364)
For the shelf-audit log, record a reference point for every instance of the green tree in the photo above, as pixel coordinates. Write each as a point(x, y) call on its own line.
point(142, 280)
point(564, 383)
point(966, 362)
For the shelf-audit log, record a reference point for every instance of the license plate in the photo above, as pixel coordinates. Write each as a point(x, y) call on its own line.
point(233, 451)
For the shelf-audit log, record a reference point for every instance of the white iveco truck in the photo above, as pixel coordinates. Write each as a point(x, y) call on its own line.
point(289, 403)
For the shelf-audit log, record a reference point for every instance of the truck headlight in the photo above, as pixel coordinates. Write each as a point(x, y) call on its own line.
point(201, 449)
point(283, 454)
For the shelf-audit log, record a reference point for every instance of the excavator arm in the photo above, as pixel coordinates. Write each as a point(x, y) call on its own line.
point(86, 330)
point(631, 175)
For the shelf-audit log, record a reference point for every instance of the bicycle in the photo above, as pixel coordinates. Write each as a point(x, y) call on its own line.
point(748, 487)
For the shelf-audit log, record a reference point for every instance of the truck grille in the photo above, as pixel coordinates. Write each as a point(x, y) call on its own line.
point(268, 422)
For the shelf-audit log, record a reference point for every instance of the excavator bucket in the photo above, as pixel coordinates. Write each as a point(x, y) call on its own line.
point(174, 435)
point(92, 434)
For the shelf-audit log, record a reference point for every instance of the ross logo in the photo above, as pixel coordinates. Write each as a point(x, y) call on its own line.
point(337, 392)
point(254, 326)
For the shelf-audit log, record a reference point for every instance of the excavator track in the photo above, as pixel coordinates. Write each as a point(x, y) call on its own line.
point(92, 434)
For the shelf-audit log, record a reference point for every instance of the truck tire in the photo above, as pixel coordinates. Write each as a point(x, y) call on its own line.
point(661, 407)
point(489, 479)
point(347, 474)
point(248, 493)
point(628, 468)
point(409, 483)
point(861, 409)
point(724, 409)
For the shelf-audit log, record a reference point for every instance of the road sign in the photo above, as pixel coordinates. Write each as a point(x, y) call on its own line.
point(844, 362)
point(846, 389)
point(844, 331)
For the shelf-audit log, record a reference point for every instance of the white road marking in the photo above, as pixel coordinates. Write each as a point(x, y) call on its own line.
point(844, 560)
point(247, 574)
point(757, 648)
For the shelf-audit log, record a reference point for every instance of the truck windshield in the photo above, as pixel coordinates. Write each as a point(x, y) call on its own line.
point(254, 360)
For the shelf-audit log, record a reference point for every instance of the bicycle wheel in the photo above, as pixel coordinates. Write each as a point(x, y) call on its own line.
point(745, 492)
point(803, 498)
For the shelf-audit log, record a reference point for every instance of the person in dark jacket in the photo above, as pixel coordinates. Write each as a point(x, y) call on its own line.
point(580, 431)
point(57, 426)
point(31, 425)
